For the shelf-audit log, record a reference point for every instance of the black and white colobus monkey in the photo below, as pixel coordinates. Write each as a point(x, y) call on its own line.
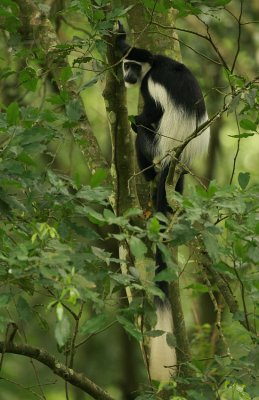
point(173, 108)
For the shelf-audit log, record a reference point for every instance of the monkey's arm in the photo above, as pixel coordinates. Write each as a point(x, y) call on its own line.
point(121, 43)
point(150, 116)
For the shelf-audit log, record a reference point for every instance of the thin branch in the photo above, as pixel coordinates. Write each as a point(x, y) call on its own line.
point(217, 309)
point(205, 37)
point(188, 46)
point(38, 379)
point(249, 22)
point(239, 36)
point(76, 27)
point(168, 27)
point(94, 334)
point(23, 387)
point(10, 332)
point(242, 295)
point(237, 150)
point(209, 38)
point(75, 378)
point(73, 341)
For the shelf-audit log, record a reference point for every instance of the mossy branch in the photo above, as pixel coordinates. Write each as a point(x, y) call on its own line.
point(69, 375)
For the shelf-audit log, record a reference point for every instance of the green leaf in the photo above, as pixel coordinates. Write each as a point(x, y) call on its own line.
point(153, 227)
point(253, 253)
point(167, 257)
point(130, 328)
point(74, 110)
point(122, 279)
point(211, 245)
point(59, 99)
point(24, 310)
point(26, 159)
point(96, 324)
point(3, 323)
point(132, 212)
point(34, 135)
point(12, 114)
point(167, 275)
point(60, 311)
point(248, 124)
point(234, 103)
point(28, 78)
point(62, 331)
point(5, 72)
point(82, 230)
point(242, 135)
point(88, 84)
point(65, 74)
point(154, 333)
point(170, 339)
point(94, 194)
point(91, 214)
point(243, 179)
point(137, 247)
point(198, 287)
point(98, 177)
point(5, 298)
point(183, 233)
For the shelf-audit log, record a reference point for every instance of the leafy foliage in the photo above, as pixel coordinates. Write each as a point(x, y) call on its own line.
point(61, 241)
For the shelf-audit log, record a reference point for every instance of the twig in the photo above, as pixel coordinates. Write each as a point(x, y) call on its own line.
point(237, 150)
point(218, 315)
point(239, 36)
point(94, 334)
point(38, 379)
point(10, 332)
point(76, 329)
point(76, 27)
point(242, 295)
point(205, 37)
point(23, 387)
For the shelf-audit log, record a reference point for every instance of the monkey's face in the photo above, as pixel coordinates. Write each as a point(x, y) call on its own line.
point(131, 72)
point(134, 71)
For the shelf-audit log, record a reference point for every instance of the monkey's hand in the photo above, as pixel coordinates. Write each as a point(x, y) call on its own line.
point(135, 123)
point(121, 38)
point(120, 32)
point(121, 29)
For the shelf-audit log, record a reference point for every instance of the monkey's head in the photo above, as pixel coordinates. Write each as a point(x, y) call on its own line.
point(136, 63)
point(134, 71)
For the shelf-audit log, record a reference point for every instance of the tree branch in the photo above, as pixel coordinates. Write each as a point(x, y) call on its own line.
point(75, 378)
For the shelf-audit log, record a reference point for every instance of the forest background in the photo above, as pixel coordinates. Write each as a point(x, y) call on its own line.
point(77, 227)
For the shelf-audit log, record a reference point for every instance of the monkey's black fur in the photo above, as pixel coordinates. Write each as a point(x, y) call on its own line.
point(173, 108)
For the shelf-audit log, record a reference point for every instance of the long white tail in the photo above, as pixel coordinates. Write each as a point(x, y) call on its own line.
point(162, 356)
